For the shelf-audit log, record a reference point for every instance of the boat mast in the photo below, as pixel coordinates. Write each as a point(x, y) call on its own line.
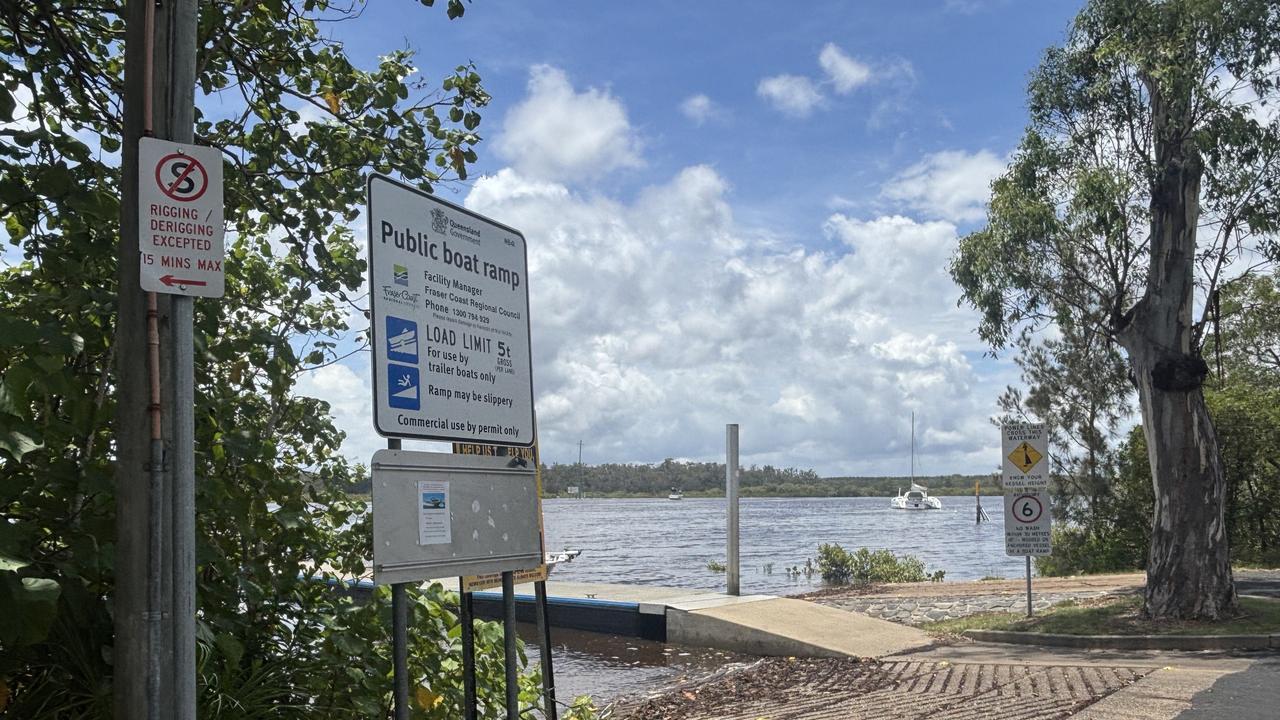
point(913, 447)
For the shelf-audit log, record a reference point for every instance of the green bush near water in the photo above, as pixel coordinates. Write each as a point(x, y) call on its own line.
point(862, 566)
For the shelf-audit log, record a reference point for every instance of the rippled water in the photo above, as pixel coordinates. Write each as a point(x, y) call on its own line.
point(669, 542)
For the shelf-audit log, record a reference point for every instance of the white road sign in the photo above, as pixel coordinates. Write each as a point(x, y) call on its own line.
point(1027, 522)
point(450, 298)
point(1025, 451)
point(180, 213)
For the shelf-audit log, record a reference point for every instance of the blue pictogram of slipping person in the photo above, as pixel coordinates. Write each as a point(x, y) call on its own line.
point(403, 387)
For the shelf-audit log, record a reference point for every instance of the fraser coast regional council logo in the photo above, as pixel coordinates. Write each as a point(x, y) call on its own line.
point(439, 221)
point(400, 274)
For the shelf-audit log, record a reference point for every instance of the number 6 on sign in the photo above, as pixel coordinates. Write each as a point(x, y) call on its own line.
point(1027, 523)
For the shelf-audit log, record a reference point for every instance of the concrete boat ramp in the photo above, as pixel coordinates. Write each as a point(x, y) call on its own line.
point(754, 624)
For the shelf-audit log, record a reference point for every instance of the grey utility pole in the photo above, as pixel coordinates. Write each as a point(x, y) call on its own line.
point(155, 560)
point(175, 93)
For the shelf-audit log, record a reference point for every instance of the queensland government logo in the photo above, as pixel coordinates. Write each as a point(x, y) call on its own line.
point(439, 221)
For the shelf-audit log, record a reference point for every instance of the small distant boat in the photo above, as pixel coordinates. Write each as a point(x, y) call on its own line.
point(918, 497)
point(555, 558)
point(675, 495)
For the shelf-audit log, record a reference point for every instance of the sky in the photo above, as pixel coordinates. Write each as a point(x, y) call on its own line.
point(738, 213)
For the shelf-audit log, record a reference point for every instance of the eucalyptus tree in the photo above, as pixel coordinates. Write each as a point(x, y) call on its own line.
point(1147, 178)
point(1077, 384)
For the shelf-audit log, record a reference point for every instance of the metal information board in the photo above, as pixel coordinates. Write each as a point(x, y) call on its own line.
point(472, 583)
point(450, 321)
point(439, 515)
point(1027, 523)
point(1025, 451)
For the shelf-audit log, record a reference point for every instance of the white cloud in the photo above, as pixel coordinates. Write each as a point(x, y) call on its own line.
point(951, 185)
point(657, 321)
point(698, 108)
point(794, 95)
point(350, 399)
point(843, 71)
point(560, 134)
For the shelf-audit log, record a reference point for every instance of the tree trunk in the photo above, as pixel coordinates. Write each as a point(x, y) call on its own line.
point(1188, 569)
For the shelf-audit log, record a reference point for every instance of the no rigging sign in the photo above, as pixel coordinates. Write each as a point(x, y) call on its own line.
point(180, 215)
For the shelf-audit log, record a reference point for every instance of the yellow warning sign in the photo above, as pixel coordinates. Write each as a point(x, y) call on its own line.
point(1024, 457)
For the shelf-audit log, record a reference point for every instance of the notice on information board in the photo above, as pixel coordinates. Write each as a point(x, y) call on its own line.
point(433, 513)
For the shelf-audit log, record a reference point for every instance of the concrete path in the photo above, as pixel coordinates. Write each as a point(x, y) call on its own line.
point(788, 627)
point(752, 624)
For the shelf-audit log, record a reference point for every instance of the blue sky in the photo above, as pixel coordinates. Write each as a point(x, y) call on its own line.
point(967, 63)
point(739, 212)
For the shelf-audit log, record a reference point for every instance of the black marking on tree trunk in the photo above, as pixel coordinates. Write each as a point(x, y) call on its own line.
point(1179, 373)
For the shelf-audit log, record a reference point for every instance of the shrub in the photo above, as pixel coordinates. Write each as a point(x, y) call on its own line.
point(1076, 551)
point(863, 566)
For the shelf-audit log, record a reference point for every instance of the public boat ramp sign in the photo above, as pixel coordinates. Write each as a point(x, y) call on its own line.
point(180, 218)
point(449, 295)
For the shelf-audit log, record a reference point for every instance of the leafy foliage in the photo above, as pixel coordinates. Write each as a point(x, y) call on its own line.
point(1078, 385)
point(299, 125)
point(1146, 178)
point(841, 567)
point(1112, 531)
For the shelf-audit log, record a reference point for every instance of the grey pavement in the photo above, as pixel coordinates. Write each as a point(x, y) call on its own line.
point(1250, 694)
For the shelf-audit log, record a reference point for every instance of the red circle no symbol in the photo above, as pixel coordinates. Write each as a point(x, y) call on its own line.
point(181, 177)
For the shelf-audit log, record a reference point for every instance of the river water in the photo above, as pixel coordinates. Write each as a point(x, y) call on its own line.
point(669, 542)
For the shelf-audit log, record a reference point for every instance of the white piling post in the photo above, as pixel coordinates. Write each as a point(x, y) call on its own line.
point(732, 575)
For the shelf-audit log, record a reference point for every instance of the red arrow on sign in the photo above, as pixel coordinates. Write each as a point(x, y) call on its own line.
point(171, 281)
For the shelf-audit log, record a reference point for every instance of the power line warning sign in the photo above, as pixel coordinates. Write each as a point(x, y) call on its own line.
point(180, 218)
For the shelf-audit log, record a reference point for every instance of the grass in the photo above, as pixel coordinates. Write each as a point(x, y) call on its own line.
point(1116, 615)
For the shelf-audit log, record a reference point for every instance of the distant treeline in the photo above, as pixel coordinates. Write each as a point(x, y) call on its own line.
point(707, 480)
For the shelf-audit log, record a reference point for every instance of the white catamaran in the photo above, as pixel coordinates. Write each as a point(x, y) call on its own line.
point(918, 497)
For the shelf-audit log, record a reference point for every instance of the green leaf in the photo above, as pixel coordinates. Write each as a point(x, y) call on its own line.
point(231, 648)
point(27, 608)
point(7, 105)
point(11, 563)
point(18, 444)
point(17, 231)
point(54, 182)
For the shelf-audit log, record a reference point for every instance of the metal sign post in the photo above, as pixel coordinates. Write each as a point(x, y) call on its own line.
point(1029, 607)
point(399, 638)
point(468, 618)
point(544, 637)
point(538, 575)
point(509, 645)
point(1027, 510)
